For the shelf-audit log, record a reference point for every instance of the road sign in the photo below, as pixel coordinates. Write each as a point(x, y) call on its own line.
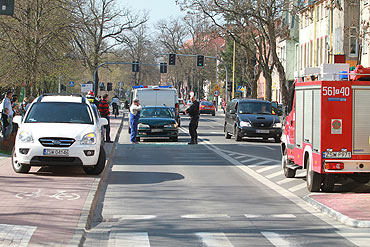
point(240, 89)
point(216, 88)
point(85, 88)
point(191, 93)
point(216, 93)
point(71, 83)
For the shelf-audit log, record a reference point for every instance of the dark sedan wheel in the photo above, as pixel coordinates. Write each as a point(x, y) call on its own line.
point(237, 135)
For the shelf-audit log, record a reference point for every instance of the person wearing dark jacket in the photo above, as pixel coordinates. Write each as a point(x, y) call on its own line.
point(104, 112)
point(193, 112)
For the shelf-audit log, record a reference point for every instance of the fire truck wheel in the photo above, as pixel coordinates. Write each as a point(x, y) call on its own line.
point(328, 182)
point(237, 135)
point(288, 173)
point(313, 178)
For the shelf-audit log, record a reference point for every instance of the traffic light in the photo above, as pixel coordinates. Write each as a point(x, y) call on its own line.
point(135, 66)
point(101, 86)
point(172, 59)
point(163, 68)
point(109, 86)
point(7, 7)
point(229, 86)
point(200, 60)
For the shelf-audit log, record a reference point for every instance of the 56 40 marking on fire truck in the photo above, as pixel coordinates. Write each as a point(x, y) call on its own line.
point(336, 91)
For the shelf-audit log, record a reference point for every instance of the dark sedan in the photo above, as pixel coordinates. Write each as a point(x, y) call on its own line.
point(251, 118)
point(157, 122)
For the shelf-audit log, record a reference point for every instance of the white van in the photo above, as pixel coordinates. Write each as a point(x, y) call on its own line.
point(157, 96)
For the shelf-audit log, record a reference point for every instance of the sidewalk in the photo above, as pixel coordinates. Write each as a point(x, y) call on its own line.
point(350, 209)
point(43, 208)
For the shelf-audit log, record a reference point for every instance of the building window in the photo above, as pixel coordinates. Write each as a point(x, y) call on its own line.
point(326, 52)
point(322, 10)
point(317, 52)
point(322, 55)
point(366, 2)
point(318, 12)
point(353, 45)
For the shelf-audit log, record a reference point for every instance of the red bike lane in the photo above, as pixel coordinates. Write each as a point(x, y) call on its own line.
point(44, 206)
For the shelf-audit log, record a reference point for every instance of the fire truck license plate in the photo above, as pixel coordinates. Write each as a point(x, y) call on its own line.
point(337, 155)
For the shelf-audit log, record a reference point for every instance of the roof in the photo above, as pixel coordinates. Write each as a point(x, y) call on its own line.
point(253, 100)
point(61, 98)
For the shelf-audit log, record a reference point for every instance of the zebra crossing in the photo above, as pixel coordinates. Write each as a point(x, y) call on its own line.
point(118, 237)
point(272, 170)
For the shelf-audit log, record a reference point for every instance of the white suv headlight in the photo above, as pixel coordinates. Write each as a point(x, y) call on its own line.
point(245, 124)
point(89, 139)
point(25, 137)
point(277, 125)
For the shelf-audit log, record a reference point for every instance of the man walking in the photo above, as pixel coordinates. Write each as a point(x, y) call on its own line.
point(104, 112)
point(135, 110)
point(8, 104)
point(193, 112)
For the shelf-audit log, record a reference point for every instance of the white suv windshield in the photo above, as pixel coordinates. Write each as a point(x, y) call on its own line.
point(59, 112)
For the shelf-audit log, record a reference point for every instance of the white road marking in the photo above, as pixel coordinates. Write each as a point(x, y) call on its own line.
point(359, 237)
point(269, 216)
point(285, 180)
point(298, 187)
point(135, 217)
point(276, 239)
point(264, 169)
point(262, 163)
point(129, 239)
point(249, 160)
point(241, 156)
point(301, 173)
point(275, 174)
point(270, 148)
point(204, 216)
point(17, 235)
point(210, 239)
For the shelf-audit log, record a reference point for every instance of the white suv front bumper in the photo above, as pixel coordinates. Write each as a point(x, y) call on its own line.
point(76, 155)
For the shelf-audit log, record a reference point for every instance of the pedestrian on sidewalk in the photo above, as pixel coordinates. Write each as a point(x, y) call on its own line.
point(5, 122)
point(104, 112)
point(8, 104)
point(135, 110)
point(193, 112)
point(115, 103)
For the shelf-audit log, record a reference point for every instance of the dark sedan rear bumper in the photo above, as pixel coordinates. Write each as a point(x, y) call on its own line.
point(260, 132)
point(207, 111)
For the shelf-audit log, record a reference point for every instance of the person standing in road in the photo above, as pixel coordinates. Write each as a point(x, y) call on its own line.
point(193, 112)
point(8, 104)
point(115, 104)
point(135, 110)
point(104, 112)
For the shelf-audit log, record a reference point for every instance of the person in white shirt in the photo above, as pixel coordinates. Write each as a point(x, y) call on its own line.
point(134, 119)
point(115, 104)
point(8, 104)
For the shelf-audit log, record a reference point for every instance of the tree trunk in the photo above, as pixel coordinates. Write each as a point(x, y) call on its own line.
point(282, 81)
point(268, 85)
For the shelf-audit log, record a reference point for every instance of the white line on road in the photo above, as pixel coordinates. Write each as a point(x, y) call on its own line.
point(134, 217)
point(298, 187)
point(275, 174)
point(204, 216)
point(359, 237)
point(265, 169)
point(210, 239)
point(249, 160)
point(269, 216)
point(129, 239)
point(263, 163)
point(284, 181)
point(276, 239)
point(240, 157)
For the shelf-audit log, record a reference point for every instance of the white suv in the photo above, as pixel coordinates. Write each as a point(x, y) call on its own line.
point(60, 130)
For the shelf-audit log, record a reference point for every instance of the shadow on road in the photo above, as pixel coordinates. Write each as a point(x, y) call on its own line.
point(121, 177)
point(61, 171)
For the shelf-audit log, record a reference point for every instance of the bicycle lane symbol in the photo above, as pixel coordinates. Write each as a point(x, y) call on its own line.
point(59, 195)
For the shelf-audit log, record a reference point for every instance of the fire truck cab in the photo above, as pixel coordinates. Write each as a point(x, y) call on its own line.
point(327, 132)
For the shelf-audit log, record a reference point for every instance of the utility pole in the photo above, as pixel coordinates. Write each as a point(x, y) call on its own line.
point(233, 86)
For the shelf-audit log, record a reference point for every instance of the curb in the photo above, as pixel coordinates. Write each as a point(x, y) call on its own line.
point(92, 200)
point(337, 215)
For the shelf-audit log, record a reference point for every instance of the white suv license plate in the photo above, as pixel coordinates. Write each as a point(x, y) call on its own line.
point(338, 155)
point(56, 152)
point(157, 130)
point(262, 131)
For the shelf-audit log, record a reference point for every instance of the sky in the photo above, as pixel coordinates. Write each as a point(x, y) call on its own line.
point(158, 9)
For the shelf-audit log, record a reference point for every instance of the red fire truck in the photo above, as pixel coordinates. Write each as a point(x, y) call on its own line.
point(327, 132)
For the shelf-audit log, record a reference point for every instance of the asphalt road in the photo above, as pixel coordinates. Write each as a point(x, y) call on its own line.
point(220, 193)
